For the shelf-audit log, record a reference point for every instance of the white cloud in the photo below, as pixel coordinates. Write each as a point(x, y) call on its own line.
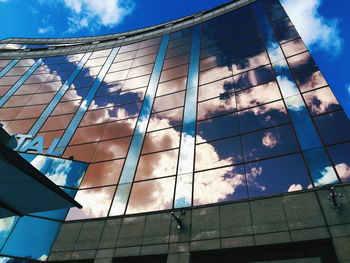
point(43, 257)
point(295, 187)
point(269, 140)
point(6, 223)
point(348, 88)
point(3, 1)
point(92, 14)
point(328, 177)
point(317, 31)
point(44, 30)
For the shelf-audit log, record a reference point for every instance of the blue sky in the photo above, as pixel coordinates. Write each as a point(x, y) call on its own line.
point(322, 24)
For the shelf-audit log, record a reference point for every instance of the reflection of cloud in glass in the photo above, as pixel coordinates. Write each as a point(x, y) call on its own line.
point(252, 176)
point(269, 140)
point(6, 223)
point(288, 87)
point(328, 177)
point(344, 171)
point(216, 185)
point(295, 187)
point(321, 100)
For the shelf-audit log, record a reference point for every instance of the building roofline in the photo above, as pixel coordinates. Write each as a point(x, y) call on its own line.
point(76, 45)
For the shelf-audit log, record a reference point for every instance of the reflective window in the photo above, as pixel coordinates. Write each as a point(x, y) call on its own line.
point(213, 128)
point(95, 202)
point(174, 73)
point(278, 175)
point(341, 159)
point(301, 62)
point(218, 153)
point(271, 142)
point(165, 119)
point(153, 195)
point(57, 122)
point(262, 116)
point(157, 165)
point(219, 185)
point(320, 101)
point(169, 101)
point(88, 134)
point(171, 86)
point(293, 47)
point(161, 140)
point(310, 80)
point(216, 107)
point(112, 149)
point(333, 127)
point(104, 173)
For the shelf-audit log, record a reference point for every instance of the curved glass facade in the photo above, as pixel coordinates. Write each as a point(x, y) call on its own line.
point(228, 109)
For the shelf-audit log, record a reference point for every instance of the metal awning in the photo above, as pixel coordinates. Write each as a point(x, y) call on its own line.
point(24, 189)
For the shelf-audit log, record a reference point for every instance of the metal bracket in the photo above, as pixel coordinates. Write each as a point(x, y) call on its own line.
point(178, 219)
point(333, 196)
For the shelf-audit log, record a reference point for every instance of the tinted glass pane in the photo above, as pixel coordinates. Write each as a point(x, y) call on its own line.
point(341, 159)
point(320, 101)
point(218, 153)
point(95, 202)
point(278, 175)
point(216, 107)
point(157, 165)
point(161, 140)
point(216, 128)
point(151, 195)
point(333, 127)
point(271, 142)
point(219, 185)
point(262, 116)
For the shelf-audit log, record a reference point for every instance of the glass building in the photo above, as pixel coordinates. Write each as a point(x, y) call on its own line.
point(221, 118)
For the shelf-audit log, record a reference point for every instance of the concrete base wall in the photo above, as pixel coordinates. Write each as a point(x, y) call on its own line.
point(282, 219)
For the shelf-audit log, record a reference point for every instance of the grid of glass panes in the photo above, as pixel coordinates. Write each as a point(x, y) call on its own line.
point(244, 136)
point(23, 109)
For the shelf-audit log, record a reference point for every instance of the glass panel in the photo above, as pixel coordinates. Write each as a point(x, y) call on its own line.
point(57, 123)
point(321, 170)
point(171, 86)
point(183, 194)
point(174, 73)
point(341, 159)
point(169, 101)
point(87, 134)
point(66, 107)
point(215, 89)
point(95, 117)
point(310, 80)
point(333, 127)
point(262, 116)
point(278, 175)
point(119, 129)
point(218, 153)
point(216, 107)
point(176, 61)
point(165, 119)
point(81, 152)
point(22, 126)
point(112, 149)
point(31, 238)
point(151, 195)
point(100, 174)
point(217, 128)
point(214, 74)
point(320, 101)
point(301, 62)
point(50, 136)
point(293, 47)
point(275, 141)
point(253, 78)
point(258, 95)
point(219, 185)
point(95, 202)
point(161, 140)
point(157, 165)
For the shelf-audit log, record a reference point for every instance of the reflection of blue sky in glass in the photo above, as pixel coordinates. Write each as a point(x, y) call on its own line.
point(61, 171)
point(32, 237)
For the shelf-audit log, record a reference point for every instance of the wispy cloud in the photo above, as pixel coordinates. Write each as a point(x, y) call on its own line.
point(347, 87)
point(92, 14)
point(317, 31)
point(45, 30)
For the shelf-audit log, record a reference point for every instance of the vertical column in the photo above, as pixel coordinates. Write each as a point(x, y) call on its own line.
point(15, 87)
point(315, 155)
point(8, 67)
point(62, 144)
point(183, 192)
point(49, 109)
point(127, 175)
